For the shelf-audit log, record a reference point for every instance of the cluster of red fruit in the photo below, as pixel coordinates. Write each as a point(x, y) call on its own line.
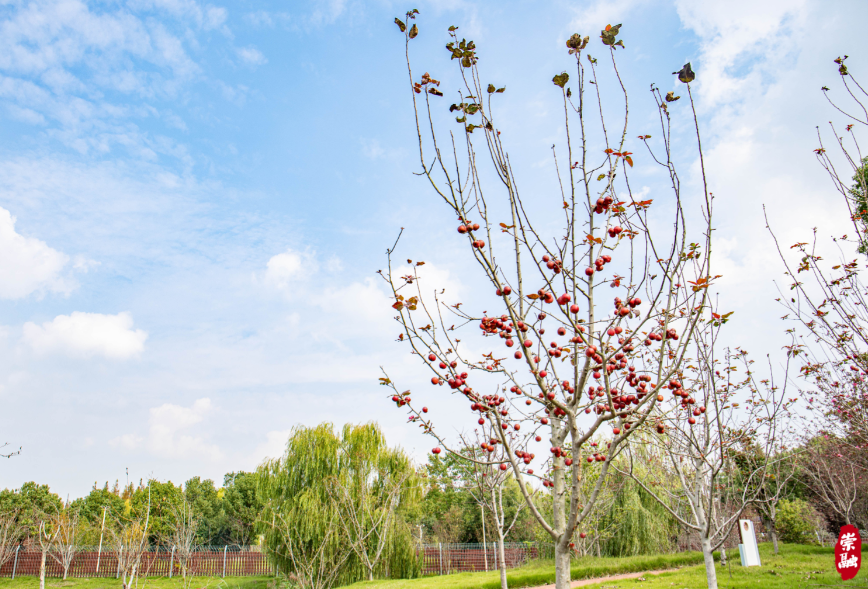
point(603, 204)
point(560, 453)
point(465, 227)
point(491, 402)
point(591, 352)
point(638, 381)
point(686, 400)
point(554, 265)
point(623, 309)
point(526, 457)
point(490, 446)
point(401, 401)
point(599, 263)
point(614, 231)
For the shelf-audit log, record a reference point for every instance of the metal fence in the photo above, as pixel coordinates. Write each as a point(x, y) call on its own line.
point(443, 559)
point(207, 561)
point(239, 561)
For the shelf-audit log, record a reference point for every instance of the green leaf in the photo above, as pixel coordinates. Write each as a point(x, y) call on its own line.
point(491, 88)
point(462, 119)
point(401, 24)
point(500, 90)
point(600, 177)
point(561, 79)
point(453, 28)
point(609, 34)
point(414, 30)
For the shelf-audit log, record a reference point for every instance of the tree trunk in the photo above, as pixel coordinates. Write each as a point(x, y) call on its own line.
point(773, 532)
point(562, 566)
point(65, 572)
point(502, 554)
point(370, 573)
point(723, 556)
point(710, 571)
point(42, 572)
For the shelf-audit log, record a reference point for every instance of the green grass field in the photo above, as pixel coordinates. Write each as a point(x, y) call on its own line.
point(795, 567)
point(144, 583)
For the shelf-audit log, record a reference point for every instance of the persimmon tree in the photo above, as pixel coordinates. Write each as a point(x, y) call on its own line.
point(129, 538)
point(46, 536)
point(834, 475)
point(11, 533)
point(593, 318)
point(704, 443)
point(487, 475)
point(181, 537)
point(827, 299)
point(68, 538)
point(775, 485)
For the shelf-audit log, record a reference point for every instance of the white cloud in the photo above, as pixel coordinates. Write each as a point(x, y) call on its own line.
point(87, 335)
point(372, 149)
point(589, 19)
point(28, 265)
point(251, 56)
point(743, 43)
point(290, 266)
point(273, 446)
point(168, 424)
point(169, 433)
point(127, 441)
point(328, 11)
point(76, 68)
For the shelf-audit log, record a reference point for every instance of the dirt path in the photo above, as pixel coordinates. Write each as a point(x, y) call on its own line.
point(623, 577)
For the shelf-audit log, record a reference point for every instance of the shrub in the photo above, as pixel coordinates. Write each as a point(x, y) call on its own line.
point(797, 522)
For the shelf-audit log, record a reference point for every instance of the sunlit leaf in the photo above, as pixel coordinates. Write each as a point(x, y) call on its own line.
point(561, 79)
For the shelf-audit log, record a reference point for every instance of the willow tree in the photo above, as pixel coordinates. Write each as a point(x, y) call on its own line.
point(592, 289)
point(333, 506)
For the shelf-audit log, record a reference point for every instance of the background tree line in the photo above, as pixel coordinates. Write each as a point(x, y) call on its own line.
point(225, 515)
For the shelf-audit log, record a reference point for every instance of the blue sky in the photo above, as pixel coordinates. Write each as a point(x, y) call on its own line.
point(195, 200)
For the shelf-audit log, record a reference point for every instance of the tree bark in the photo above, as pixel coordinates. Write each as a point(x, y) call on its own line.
point(42, 571)
point(562, 566)
point(708, 557)
point(773, 532)
point(502, 554)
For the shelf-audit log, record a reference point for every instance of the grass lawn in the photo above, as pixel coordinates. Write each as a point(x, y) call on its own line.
point(796, 566)
point(144, 583)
